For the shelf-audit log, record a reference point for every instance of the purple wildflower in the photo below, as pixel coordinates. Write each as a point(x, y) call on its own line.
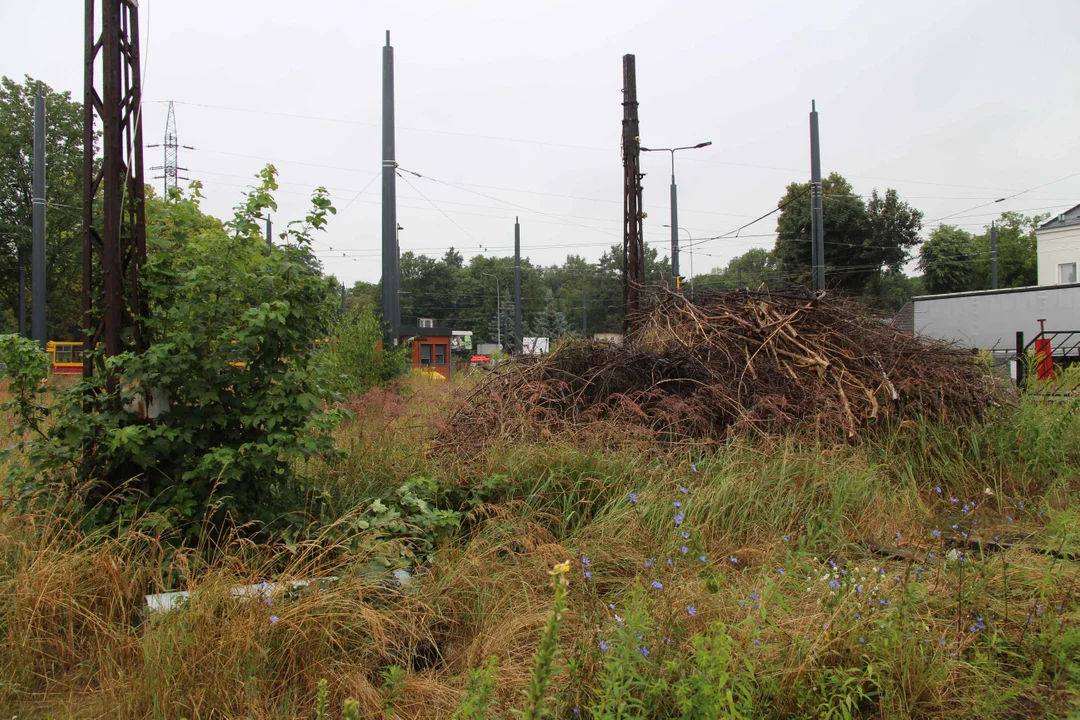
point(649, 562)
point(937, 533)
point(633, 497)
point(938, 489)
point(603, 646)
point(684, 549)
point(274, 619)
point(670, 562)
point(685, 534)
point(657, 585)
point(585, 561)
point(834, 584)
point(588, 574)
point(693, 467)
point(683, 490)
point(701, 558)
point(644, 651)
point(677, 504)
point(753, 595)
point(781, 571)
point(756, 642)
point(858, 589)
point(691, 610)
point(733, 559)
point(678, 519)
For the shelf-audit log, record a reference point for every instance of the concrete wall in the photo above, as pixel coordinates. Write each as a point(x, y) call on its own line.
point(989, 319)
point(1057, 246)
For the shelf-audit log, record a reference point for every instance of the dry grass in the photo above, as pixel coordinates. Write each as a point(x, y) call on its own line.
point(76, 641)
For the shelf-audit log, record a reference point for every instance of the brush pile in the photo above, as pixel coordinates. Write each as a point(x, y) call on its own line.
point(819, 366)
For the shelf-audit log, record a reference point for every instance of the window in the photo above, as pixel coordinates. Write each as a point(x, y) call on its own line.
point(426, 322)
point(425, 355)
point(440, 354)
point(63, 354)
point(1066, 273)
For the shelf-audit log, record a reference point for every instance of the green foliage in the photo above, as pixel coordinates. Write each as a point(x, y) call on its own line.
point(945, 260)
point(861, 238)
point(63, 196)
point(549, 322)
point(26, 366)
point(351, 362)
point(479, 699)
point(954, 260)
point(713, 688)
point(544, 660)
point(393, 682)
point(229, 362)
point(753, 268)
point(322, 700)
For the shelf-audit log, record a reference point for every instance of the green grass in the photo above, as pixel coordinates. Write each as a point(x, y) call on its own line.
point(994, 636)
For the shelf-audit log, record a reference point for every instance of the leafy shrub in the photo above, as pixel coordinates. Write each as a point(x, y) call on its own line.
point(230, 326)
point(352, 361)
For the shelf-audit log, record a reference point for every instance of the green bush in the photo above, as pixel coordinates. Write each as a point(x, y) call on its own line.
point(352, 361)
point(229, 362)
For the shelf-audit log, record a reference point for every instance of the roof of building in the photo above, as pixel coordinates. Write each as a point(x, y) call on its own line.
point(1069, 217)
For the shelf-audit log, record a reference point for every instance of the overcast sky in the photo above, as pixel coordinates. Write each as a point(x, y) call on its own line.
point(514, 109)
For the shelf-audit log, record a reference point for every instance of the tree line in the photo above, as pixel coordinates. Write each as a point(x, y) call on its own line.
point(869, 240)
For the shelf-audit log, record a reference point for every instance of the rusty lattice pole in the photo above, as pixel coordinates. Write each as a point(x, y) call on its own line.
point(633, 273)
point(114, 238)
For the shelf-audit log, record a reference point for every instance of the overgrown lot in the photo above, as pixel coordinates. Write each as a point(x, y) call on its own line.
point(928, 571)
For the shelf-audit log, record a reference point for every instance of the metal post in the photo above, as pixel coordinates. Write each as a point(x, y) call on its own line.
point(391, 309)
point(817, 220)
point(269, 237)
point(584, 311)
point(633, 270)
point(37, 316)
point(993, 256)
point(342, 297)
point(517, 289)
point(1021, 360)
point(674, 226)
point(22, 289)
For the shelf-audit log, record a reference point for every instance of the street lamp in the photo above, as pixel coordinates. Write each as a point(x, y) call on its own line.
point(675, 204)
point(691, 246)
point(498, 310)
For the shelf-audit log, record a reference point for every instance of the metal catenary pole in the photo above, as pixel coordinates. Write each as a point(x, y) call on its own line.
point(674, 226)
point(584, 310)
point(269, 236)
point(37, 315)
point(517, 288)
point(993, 256)
point(817, 228)
point(22, 289)
point(391, 310)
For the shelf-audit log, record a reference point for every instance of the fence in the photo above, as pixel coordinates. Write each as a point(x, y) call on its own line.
point(1049, 364)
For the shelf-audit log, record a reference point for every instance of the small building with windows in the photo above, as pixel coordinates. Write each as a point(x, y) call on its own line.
point(1059, 248)
point(431, 348)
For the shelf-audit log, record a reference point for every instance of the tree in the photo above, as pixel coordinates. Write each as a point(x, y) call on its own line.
point(753, 268)
point(945, 260)
point(551, 321)
point(953, 260)
point(63, 197)
point(1017, 254)
point(861, 238)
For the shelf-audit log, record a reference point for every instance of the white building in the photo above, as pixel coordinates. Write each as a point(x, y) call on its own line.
point(1059, 248)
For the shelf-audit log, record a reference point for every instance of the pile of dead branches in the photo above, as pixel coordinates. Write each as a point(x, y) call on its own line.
point(819, 366)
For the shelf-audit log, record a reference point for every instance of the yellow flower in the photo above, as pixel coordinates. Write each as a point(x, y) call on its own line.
point(560, 568)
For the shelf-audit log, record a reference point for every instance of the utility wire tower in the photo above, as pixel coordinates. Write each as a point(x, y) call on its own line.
point(114, 242)
point(171, 169)
point(817, 221)
point(633, 271)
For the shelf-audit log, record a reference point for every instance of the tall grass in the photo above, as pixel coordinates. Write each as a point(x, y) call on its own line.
point(777, 598)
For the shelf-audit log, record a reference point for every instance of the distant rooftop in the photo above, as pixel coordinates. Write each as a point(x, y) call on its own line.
point(1065, 219)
